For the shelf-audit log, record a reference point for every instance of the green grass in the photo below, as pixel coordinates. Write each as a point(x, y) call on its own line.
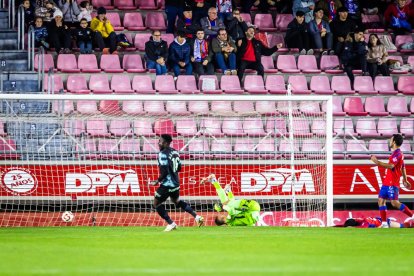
point(206, 251)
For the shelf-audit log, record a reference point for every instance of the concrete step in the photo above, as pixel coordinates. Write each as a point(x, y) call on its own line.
point(8, 34)
point(13, 65)
point(8, 44)
point(13, 54)
point(20, 86)
point(21, 75)
point(4, 23)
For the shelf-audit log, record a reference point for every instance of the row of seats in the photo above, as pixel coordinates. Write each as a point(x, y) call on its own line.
point(130, 4)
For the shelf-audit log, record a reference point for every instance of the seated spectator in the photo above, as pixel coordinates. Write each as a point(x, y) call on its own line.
point(354, 9)
point(179, 55)
point(70, 12)
point(29, 13)
point(104, 34)
point(186, 24)
point(156, 53)
point(59, 34)
point(200, 9)
point(40, 33)
point(236, 26)
point(201, 55)
point(354, 55)
point(282, 6)
point(377, 57)
point(46, 9)
point(225, 9)
point(305, 6)
point(330, 8)
point(321, 33)
point(341, 26)
point(84, 37)
point(398, 17)
point(173, 8)
point(225, 50)
point(85, 11)
point(297, 35)
point(211, 24)
point(250, 51)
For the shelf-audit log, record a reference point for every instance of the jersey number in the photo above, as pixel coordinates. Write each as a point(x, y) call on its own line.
point(175, 163)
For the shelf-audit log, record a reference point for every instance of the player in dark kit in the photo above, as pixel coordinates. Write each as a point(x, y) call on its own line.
point(170, 165)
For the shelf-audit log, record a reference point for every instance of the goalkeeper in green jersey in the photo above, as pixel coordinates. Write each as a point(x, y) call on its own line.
point(240, 212)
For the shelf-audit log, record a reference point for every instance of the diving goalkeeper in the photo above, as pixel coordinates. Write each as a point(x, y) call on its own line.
point(240, 212)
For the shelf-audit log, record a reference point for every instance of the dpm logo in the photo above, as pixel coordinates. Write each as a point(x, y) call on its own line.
point(263, 182)
point(114, 180)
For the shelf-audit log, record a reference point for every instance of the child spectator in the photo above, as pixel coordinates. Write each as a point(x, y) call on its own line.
point(29, 13)
point(40, 33)
point(84, 37)
point(47, 10)
point(85, 11)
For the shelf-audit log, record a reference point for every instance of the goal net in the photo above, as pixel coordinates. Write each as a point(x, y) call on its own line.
point(94, 155)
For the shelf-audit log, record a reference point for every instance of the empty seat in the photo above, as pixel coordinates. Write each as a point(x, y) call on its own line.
point(115, 20)
point(108, 149)
point(264, 22)
point(266, 148)
point(155, 21)
point(48, 62)
point(243, 107)
point(379, 148)
point(265, 107)
point(187, 84)
point(62, 107)
point(282, 21)
point(275, 84)
point(312, 148)
point(385, 85)
point(341, 85)
point(110, 107)
point(77, 84)
point(318, 127)
point(165, 84)
point(407, 150)
point(155, 107)
point(276, 38)
point(97, 128)
point(198, 107)
point(268, 65)
point(111, 64)
point(198, 148)
point(367, 127)
point(221, 107)
point(336, 106)
point(148, 5)
point(246, 17)
point(90, 149)
point(338, 149)
point(99, 84)
point(121, 84)
point(56, 84)
point(162, 126)
point(299, 84)
point(353, 106)
point(66, 63)
point(125, 5)
point(211, 127)
point(364, 85)
point(398, 71)
point(209, 84)
point(310, 108)
point(87, 107)
point(400, 40)
point(356, 149)
point(344, 127)
point(406, 85)
point(307, 64)
point(301, 128)
point(186, 127)
point(133, 64)
point(407, 127)
point(253, 127)
point(142, 85)
point(120, 128)
point(87, 63)
point(232, 126)
point(150, 148)
point(221, 148)
point(244, 149)
point(177, 108)
point(284, 108)
point(276, 126)
point(387, 126)
point(140, 40)
point(231, 85)
point(2, 132)
point(107, 4)
point(74, 127)
point(143, 127)
point(286, 149)
point(254, 84)
point(330, 64)
point(397, 106)
point(130, 149)
point(133, 107)
point(321, 85)
point(375, 106)
point(287, 64)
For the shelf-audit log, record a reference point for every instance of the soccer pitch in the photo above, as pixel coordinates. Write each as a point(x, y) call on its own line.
point(205, 251)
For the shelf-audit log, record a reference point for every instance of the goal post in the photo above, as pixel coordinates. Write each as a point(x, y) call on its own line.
point(94, 155)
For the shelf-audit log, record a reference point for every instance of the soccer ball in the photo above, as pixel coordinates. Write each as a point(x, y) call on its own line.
point(67, 216)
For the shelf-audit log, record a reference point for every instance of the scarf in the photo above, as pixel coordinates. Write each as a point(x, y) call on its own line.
point(187, 22)
point(332, 10)
point(200, 50)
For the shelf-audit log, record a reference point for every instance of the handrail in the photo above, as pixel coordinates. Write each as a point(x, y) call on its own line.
point(40, 67)
point(20, 28)
point(30, 48)
point(50, 82)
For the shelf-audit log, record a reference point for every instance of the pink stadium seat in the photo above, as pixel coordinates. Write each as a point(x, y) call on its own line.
point(108, 149)
point(287, 64)
point(77, 84)
point(162, 126)
point(125, 5)
point(397, 106)
point(221, 149)
point(321, 85)
point(187, 84)
point(375, 106)
point(403, 39)
point(266, 148)
point(198, 107)
point(310, 108)
point(142, 84)
point(312, 148)
point(299, 84)
point(366, 127)
point(99, 84)
point(376, 146)
point(60, 107)
point(74, 127)
point(148, 5)
point(254, 84)
point(88, 64)
point(165, 84)
point(301, 128)
point(276, 126)
point(243, 107)
point(221, 107)
point(155, 108)
point(211, 127)
point(97, 128)
point(130, 47)
point(177, 108)
point(115, 20)
point(407, 150)
point(57, 83)
point(285, 148)
point(364, 85)
point(231, 85)
point(178, 144)
point(385, 85)
point(337, 107)
point(150, 148)
point(353, 106)
point(130, 149)
point(133, 64)
point(359, 148)
point(120, 128)
point(307, 64)
point(275, 84)
point(282, 21)
point(387, 126)
point(111, 64)
point(406, 85)
point(48, 62)
point(143, 127)
point(342, 85)
point(107, 4)
point(264, 22)
point(140, 40)
point(410, 61)
point(90, 149)
point(330, 64)
point(318, 127)
point(253, 127)
point(186, 127)
point(121, 84)
point(264, 107)
point(110, 107)
point(244, 149)
point(370, 19)
point(87, 107)
point(198, 148)
point(275, 38)
point(66, 63)
point(268, 65)
point(133, 107)
point(338, 149)
point(210, 78)
point(169, 38)
point(155, 21)
point(344, 127)
point(412, 106)
point(246, 17)
point(283, 108)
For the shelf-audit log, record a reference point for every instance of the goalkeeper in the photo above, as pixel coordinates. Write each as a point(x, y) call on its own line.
point(241, 212)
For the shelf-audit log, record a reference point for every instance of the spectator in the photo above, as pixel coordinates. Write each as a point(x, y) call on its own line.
point(70, 12)
point(29, 13)
point(156, 53)
point(104, 32)
point(250, 53)
point(236, 26)
point(46, 10)
point(282, 6)
point(377, 57)
point(186, 24)
point(179, 55)
point(398, 17)
point(225, 50)
point(201, 55)
point(59, 34)
point(321, 33)
point(173, 8)
point(225, 9)
point(354, 8)
point(305, 6)
point(40, 33)
point(354, 55)
point(297, 35)
point(341, 26)
point(84, 37)
point(200, 10)
point(211, 24)
point(330, 8)
point(85, 11)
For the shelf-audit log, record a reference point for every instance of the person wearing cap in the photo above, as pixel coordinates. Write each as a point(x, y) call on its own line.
point(341, 26)
point(330, 9)
point(179, 55)
point(236, 26)
point(173, 8)
point(321, 33)
point(59, 34)
point(211, 24)
point(305, 6)
point(104, 33)
point(70, 12)
point(186, 24)
point(297, 35)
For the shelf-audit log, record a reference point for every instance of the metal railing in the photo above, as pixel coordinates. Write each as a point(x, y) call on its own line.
point(20, 28)
point(10, 4)
point(30, 48)
point(40, 67)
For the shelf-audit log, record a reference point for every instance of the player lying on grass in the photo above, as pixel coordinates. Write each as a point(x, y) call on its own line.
point(370, 222)
point(240, 212)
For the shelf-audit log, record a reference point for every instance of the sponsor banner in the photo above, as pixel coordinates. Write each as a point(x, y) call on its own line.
point(132, 180)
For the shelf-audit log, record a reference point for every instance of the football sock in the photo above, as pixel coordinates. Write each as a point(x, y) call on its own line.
point(406, 210)
point(163, 213)
point(220, 192)
point(186, 207)
point(383, 213)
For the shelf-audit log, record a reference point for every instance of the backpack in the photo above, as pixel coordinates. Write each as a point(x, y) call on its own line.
point(122, 41)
